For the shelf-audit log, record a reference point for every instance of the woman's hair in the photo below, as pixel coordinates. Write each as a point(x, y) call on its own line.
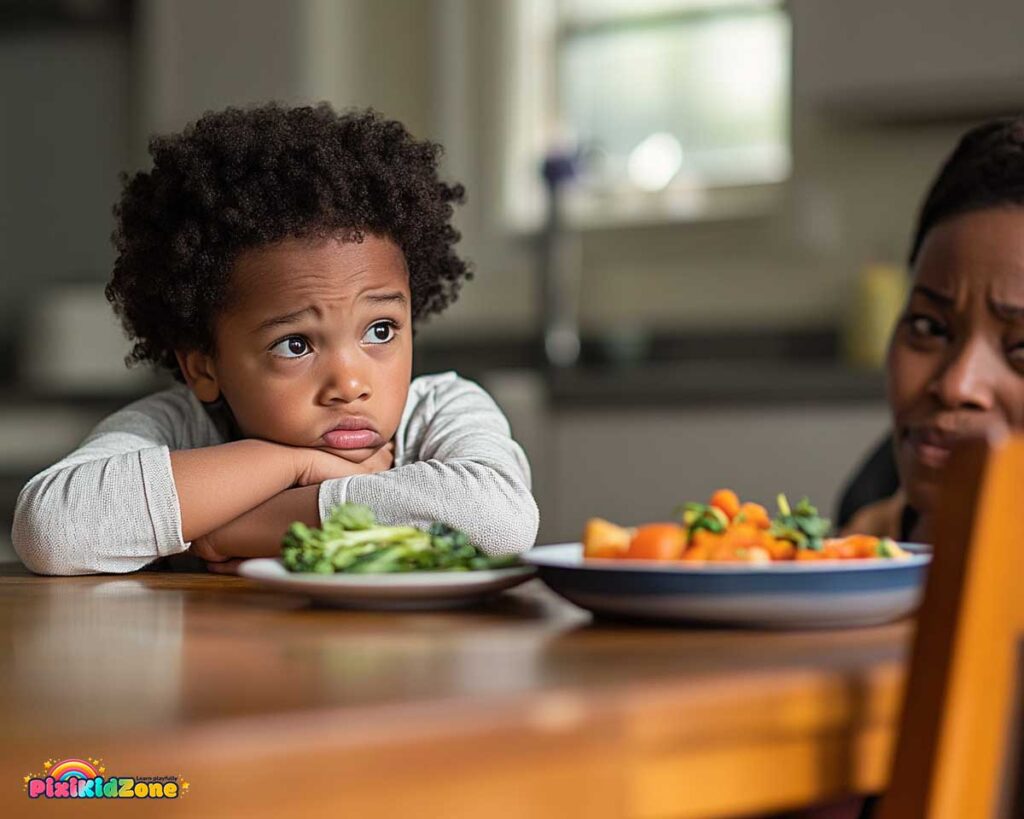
point(242, 178)
point(985, 170)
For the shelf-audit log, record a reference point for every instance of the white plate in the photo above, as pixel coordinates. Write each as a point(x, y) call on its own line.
point(818, 594)
point(394, 591)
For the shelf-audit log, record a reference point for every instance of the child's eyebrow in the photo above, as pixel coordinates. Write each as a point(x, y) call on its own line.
point(287, 318)
point(396, 297)
point(934, 295)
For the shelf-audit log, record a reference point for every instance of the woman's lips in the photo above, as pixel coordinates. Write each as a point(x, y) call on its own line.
point(352, 438)
point(931, 448)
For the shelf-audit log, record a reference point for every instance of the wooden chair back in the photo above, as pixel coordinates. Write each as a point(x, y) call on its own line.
point(958, 753)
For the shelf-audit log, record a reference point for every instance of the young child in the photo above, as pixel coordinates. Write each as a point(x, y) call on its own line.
point(275, 260)
point(956, 360)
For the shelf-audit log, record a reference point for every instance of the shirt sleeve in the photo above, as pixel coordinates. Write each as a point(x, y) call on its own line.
point(109, 506)
point(468, 473)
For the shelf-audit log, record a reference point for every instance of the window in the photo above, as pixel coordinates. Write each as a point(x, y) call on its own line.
point(681, 107)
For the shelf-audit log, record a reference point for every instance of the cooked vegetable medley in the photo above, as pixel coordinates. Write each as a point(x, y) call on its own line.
point(723, 529)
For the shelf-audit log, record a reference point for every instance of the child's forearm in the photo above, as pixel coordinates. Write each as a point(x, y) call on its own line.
point(217, 484)
point(258, 532)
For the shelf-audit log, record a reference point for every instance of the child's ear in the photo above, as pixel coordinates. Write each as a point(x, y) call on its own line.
point(200, 374)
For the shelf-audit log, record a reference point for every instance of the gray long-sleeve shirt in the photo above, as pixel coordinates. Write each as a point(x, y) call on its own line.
point(111, 505)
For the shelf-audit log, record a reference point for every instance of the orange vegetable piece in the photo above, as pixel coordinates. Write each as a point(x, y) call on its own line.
point(744, 534)
point(602, 538)
point(726, 500)
point(755, 514)
point(863, 545)
point(780, 549)
point(697, 552)
point(658, 541)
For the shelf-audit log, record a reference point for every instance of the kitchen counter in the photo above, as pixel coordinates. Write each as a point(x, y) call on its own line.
point(522, 706)
point(704, 383)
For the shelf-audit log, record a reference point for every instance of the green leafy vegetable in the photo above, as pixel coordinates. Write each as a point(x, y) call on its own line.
point(696, 516)
point(801, 525)
point(350, 540)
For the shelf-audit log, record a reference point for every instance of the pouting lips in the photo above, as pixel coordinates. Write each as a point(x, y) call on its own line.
point(352, 438)
point(352, 433)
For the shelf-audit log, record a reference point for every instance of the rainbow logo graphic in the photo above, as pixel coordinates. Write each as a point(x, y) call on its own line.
point(73, 769)
point(75, 778)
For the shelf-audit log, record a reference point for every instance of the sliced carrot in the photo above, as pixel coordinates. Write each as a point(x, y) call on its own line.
point(780, 549)
point(658, 541)
point(727, 501)
point(755, 514)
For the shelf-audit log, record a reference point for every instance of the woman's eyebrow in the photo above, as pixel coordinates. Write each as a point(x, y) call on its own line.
point(286, 318)
point(1006, 312)
point(934, 295)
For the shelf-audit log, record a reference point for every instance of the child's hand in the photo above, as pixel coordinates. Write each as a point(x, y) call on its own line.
point(316, 466)
point(204, 549)
point(381, 460)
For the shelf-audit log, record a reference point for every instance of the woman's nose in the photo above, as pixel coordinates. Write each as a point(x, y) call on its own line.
point(966, 380)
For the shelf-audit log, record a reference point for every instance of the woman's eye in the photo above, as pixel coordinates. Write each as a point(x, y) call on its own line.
point(380, 333)
point(291, 347)
point(1016, 355)
point(926, 327)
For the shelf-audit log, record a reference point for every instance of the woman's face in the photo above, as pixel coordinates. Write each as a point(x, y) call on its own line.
point(315, 346)
point(956, 361)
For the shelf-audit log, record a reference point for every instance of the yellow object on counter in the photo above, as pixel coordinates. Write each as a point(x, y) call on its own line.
point(878, 298)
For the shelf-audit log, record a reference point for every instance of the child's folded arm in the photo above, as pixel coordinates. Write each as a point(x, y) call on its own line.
point(100, 512)
point(112, 505)
point(97, 511)
point(495, 509)
point(468, 472)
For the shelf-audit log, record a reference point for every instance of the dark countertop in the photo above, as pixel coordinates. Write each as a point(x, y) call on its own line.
point(686, 369)
point(703, 383)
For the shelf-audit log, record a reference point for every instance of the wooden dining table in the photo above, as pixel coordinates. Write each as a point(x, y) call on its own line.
point(269, 706)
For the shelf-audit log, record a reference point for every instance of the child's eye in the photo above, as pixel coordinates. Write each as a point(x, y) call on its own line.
point(923, 326)
point(291, 347)
point(380, 332)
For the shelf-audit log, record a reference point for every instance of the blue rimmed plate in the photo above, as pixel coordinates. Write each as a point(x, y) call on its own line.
point(819, 594)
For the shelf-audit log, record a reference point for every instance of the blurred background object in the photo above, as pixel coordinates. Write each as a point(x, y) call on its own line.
point(746, 161)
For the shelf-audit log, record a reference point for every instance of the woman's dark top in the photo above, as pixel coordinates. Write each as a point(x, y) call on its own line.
point(875, 480)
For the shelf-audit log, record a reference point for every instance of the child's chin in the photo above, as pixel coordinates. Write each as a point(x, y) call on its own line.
point(356, 456)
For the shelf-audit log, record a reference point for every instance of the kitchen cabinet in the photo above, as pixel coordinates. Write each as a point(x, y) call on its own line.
point(907, 60)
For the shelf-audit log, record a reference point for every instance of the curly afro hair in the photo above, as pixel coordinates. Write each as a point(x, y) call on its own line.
point(242, 178)
point(985, 170)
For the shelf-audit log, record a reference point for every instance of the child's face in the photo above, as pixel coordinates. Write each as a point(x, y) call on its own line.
point(317, 335)
point(956, 361)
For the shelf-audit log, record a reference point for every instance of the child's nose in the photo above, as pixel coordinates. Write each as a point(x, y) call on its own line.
point(345, 379)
